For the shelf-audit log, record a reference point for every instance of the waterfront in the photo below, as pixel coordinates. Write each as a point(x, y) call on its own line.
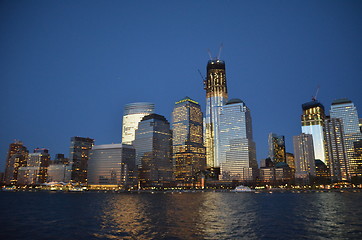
point(200, 215)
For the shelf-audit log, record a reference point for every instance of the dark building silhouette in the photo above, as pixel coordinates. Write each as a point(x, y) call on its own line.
point(78, 157)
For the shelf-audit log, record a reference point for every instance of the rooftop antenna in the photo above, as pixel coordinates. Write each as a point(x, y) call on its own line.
point(209, 52)
point(314, 98)
point(221, 46)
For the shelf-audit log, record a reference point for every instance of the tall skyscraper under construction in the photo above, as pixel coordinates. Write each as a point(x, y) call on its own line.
point(313, 123)
point(216, 96)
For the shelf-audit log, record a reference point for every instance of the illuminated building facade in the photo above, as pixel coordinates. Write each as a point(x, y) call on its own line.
point(357, 146)
point(112, 164)
point(153, 144)
point(78, 157)
point(345, 110)
point(313, 123)
point(290, 160)
point(216, 96)
point(36, 170)
point(188, 149)
point(304, 156)
point(276, 148)
point(17, 157)
point(133, 114)
point(337, 155)
point(237, 153)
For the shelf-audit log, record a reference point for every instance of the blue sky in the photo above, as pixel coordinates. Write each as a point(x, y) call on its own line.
point(67, 68)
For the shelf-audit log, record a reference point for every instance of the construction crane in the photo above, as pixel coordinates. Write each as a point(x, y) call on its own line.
point(314, 98)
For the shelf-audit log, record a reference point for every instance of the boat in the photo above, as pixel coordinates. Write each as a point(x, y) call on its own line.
point(243, 188)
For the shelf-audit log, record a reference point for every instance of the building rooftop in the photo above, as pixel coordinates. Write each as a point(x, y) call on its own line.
point(186, 99)
point(341, 101)
point(234, 101)
point(154, 116)
point(215, 64)
point(312, 104)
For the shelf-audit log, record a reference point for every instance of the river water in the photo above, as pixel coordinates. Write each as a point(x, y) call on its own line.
point(199, 215)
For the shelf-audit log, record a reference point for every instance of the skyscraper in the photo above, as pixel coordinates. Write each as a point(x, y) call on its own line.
point(237, 153)
point(188, 149)
point(153, 144)
point(276, 148)
point(304, 156)
point(345, 110)
point(313, 123)
point(216, 96)
point(112, 164)
point(16, 158)
point(338, 163)
point(78, 157)
point(133, 114)
point(36, 170)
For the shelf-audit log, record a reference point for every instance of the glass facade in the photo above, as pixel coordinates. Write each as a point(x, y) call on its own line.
point(237, 152)
point(133, 114)
point(216, 96)
point(78, 157)
point(345, 110)
point(313, 123)
point(188, 149)
point(304, 156)
point(276, 148)
point(112, 164)
point(153, 144)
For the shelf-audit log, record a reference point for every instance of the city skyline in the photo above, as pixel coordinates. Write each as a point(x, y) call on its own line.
point(56, 85)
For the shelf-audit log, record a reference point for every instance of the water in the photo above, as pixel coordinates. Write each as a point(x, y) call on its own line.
point(208, 215)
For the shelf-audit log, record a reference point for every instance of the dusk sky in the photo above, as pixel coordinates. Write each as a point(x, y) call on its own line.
point(67, 68)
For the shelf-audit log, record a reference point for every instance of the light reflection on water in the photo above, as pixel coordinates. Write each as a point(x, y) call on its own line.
point(208, 215)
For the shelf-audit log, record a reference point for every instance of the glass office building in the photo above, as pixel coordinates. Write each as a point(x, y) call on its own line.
point(237, 153)
point(345, 110)
point(216, 96)
point(313, 123)
point(133, 114)
point(153, 144)
point(112, 164)
point(188, 149)
point(276, 148)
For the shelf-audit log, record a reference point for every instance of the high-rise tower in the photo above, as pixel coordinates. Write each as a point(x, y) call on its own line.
point(78, 157)
point(16, 158)
point(345, 110)
point(216, 96)
point(188, 148)
point(236, 152)
point(153, 144)
point(133, 114)
point(313, 123)
point(337, 156)
point(276, 148)
point(304, 156)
